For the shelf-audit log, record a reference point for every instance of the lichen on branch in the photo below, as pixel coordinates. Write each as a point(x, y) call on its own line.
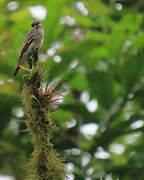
point(45, 163)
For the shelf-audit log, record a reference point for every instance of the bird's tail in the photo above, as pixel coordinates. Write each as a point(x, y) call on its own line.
point(16, 70)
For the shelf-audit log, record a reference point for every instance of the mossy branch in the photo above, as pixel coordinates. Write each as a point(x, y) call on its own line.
point(45, 163)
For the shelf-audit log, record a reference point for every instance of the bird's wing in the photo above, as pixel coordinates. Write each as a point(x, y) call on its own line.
point(29, 39)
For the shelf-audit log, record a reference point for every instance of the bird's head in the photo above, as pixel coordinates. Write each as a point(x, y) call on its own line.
point(36, 24)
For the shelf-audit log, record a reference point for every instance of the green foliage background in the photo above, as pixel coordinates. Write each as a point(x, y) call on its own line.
point(108, 45)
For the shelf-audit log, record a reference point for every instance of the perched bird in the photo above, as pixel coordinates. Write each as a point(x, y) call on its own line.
point(31, 45)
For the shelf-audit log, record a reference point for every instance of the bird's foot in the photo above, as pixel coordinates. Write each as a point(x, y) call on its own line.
point(33, 69)
point(25, 69)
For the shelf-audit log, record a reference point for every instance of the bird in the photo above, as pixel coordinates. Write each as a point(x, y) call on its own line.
point(30, 47)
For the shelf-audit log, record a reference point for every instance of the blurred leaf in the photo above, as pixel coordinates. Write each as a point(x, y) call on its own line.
point(102, 85)
point(52, 25)
point(131, 76)
point(6, 104)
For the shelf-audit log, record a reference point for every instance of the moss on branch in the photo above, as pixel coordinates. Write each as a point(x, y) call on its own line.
point(45, 163)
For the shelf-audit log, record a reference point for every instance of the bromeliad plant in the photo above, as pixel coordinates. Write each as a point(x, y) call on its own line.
point(45, 163)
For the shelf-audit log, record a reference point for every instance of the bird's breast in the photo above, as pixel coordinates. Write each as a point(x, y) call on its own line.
point(39, 38)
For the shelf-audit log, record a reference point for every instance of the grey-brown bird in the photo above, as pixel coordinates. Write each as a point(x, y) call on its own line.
point(30, 47)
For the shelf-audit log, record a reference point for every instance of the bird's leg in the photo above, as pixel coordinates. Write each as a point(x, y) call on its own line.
point(30, 63)
point(35, 56)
